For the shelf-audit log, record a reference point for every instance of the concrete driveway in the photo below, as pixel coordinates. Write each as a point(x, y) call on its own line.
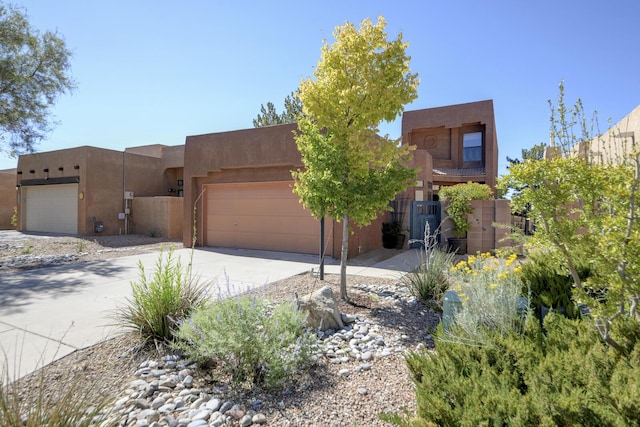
point(48, 313)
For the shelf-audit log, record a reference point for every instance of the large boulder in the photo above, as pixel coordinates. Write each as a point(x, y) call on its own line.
point(322, 309)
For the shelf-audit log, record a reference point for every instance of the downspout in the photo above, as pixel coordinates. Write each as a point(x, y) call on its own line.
point(124, 189)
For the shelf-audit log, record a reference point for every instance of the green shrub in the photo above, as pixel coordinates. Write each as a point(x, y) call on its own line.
point(560, 375)
point(161, 300)
point(253, 342)
point(549, 284)
point(429, 280)
point(458, 198)
point(489, 289)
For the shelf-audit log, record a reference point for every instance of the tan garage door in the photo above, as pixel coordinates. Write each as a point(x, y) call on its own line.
point(264, 216)
point(51, 208)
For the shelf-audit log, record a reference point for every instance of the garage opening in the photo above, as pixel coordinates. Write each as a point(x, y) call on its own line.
point(50, 208)
point(264, 215)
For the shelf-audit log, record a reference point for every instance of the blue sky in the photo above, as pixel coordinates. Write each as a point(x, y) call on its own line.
point(153, 72)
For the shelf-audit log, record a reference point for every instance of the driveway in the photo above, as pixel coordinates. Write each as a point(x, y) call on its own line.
point(48, 313)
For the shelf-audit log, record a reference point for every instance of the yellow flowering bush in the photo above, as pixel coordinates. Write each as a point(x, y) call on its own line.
point(489, 288)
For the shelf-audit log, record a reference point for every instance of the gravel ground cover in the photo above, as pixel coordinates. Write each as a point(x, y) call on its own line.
point(330, 394)
point(29, 251)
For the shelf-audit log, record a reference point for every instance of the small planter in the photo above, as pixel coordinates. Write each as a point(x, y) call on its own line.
point(458, 245)
point(393, 241)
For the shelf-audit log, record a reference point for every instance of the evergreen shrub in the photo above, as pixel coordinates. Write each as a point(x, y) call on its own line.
point(549, 284)
point(560, 375)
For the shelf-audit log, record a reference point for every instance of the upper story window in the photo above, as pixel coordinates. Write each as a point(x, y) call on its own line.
point(472, 147)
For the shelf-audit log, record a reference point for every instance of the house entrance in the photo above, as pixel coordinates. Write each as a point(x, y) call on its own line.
point(424, 213)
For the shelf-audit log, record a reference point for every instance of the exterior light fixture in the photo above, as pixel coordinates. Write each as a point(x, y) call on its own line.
point(60, 168)
point(32, 171)
point(76, 167)
point(45, 170)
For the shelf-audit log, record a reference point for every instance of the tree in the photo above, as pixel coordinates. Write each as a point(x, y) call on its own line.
point(351, 174)
point(534, 153)
point(292, 108)
point(34, 72)
point(269, 116)
point(587, 212)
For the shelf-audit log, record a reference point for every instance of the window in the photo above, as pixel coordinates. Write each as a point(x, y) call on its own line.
point(472, 147)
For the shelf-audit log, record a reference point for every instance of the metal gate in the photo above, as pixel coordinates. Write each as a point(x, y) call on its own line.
point(423, 213)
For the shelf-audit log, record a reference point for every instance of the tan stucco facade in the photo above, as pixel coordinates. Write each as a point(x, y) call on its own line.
point(8, 199)
point(618, 142)
point(102, 177)
point(258, 155)
point(438, 134)
point(196, 178)
point(162, 216)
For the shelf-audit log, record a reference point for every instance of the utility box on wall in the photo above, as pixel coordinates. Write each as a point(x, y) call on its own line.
point(128, 195)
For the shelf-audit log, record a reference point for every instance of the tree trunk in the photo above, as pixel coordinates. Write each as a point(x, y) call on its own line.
point(343, 258)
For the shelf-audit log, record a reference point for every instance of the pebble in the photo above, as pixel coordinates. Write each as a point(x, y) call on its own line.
point(165, 393)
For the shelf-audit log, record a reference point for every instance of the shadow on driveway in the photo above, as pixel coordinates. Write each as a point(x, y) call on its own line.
point(24, 287)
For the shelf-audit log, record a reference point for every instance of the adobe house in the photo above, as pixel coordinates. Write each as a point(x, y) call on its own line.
point(238, 194)
point(454, 144)
point(89, 190)
point(612, 146)
point(238, 186)
point(7, 197)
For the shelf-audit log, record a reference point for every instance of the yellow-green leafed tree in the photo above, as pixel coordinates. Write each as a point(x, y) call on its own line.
point(350, 173)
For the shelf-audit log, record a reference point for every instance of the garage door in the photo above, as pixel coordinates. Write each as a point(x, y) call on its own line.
point(264, 216)
point(51, 208)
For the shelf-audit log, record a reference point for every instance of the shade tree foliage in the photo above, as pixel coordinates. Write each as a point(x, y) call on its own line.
point(350, 172)
point(34, 72)
point(587, 212)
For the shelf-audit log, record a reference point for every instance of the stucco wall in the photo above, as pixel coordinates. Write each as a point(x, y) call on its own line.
point(623, 138)
point(102, 175)
point(483, 236)
point(160, 216)
point(439, 131)
point(173, 157)
point(8, 197)
point(251, 155)
point(67, 164)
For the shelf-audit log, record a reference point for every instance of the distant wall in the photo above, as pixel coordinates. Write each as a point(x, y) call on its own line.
point(161, 216)
point(8, 199)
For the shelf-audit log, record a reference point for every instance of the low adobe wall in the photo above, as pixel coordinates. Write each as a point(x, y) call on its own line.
point(161, 216)
point(483, 235)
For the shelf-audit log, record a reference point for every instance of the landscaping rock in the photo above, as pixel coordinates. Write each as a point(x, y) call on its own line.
point(322, 309)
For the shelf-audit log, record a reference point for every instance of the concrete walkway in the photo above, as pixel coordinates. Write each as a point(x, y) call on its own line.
point(48, 313)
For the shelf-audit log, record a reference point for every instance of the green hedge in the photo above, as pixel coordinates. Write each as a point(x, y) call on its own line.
point(560, 375)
